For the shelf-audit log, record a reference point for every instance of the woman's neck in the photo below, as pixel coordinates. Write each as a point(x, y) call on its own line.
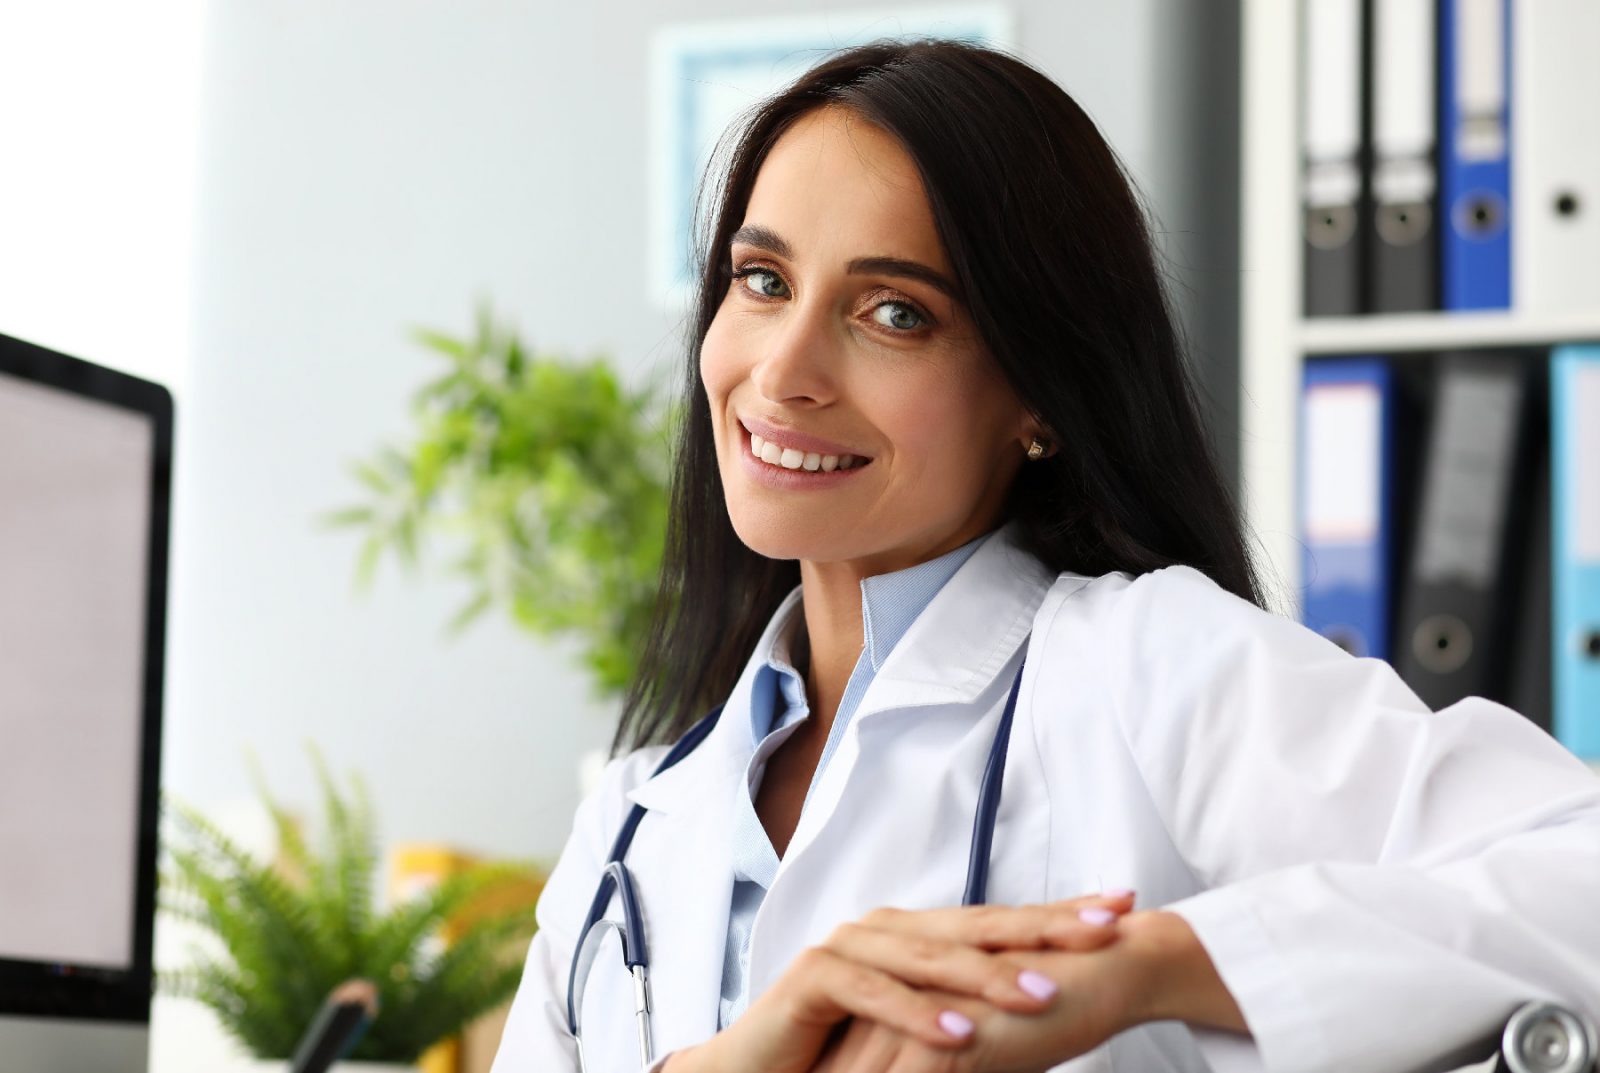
point(831, 606)
point(834, 630)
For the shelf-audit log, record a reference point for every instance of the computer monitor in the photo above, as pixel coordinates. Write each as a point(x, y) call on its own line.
point(85, 479)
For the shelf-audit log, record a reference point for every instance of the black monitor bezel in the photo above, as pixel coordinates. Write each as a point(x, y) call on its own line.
point(44, 989)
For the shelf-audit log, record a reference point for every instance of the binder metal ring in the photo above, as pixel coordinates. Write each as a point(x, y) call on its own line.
point(1442, 643)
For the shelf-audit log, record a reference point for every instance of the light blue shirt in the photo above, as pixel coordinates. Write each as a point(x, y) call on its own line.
point(890, 603)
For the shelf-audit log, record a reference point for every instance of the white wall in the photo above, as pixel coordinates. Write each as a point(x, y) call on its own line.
point(97, 174)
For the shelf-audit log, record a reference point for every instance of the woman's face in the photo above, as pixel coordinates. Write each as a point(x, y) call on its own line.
point(840, 346)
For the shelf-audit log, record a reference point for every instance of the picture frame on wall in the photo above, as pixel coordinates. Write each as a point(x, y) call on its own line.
point(706, 75)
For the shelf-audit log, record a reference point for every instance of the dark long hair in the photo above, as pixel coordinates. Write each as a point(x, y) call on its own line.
point(1051, 251)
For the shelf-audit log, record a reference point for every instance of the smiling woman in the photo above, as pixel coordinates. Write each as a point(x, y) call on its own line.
point(951, 563)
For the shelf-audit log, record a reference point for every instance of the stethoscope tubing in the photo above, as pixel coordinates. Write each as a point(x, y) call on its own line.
point(994, 773)
point(617, 877)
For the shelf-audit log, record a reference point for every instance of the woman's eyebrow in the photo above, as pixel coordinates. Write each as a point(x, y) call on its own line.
point(767, 239)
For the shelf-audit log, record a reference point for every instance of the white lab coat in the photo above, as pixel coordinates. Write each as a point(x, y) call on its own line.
point(1376, 884)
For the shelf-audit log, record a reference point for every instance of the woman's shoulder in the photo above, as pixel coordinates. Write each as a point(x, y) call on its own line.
point(1176, 588)
point(624, 773)
point(1170, 611)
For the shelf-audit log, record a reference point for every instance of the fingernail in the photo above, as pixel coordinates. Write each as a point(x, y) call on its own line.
point(1096, 915)
point(1117, 892)
point(958, 1025)
point(1036, 984)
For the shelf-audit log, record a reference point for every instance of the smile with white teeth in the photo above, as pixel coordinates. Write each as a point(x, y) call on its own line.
point(789, 458)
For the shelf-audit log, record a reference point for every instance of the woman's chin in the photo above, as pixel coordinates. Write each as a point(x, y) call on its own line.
point(787, 534)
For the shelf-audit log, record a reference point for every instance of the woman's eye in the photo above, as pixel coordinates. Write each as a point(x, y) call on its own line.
point(759, 274)
point(902, 317)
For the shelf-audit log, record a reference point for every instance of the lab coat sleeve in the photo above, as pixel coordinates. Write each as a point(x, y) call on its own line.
point(1382, 885)
point(536, 1039)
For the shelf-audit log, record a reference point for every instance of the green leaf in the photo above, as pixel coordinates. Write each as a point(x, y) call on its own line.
point(444, 344)
point(346, 517)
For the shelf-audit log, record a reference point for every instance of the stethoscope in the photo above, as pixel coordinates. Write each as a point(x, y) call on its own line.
point(615, 877)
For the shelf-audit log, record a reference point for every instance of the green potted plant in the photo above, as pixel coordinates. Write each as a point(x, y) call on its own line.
point(283, 934)
point(550, 475)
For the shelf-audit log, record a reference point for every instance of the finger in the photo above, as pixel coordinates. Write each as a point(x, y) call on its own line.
point(913, 1057)
point(925, 961)
point(826, 987)
point(997, 927)
point(875, 1050)
point(1087, 927)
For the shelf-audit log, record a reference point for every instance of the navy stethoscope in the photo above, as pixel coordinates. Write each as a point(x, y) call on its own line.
point(615, 877)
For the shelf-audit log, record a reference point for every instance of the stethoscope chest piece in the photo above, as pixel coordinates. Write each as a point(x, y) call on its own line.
point(1542, 1037)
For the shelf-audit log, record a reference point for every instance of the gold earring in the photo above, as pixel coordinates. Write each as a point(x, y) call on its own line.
point(1036, 449)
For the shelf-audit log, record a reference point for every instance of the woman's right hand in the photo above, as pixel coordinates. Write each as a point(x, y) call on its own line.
point(874, 969)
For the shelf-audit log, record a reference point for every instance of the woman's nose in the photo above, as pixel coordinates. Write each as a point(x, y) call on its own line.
point(796, 358)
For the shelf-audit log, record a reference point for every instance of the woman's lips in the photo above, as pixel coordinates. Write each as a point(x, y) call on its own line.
point(777, 476)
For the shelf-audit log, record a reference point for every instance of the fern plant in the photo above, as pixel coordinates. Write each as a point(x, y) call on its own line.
point(288, 932)
point(550, 475)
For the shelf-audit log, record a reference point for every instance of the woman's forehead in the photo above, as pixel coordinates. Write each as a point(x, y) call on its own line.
point(837, 185)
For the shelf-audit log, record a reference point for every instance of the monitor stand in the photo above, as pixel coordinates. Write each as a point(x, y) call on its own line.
point(61, 1045)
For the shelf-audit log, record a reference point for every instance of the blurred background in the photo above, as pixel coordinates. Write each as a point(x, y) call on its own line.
point(259, 205)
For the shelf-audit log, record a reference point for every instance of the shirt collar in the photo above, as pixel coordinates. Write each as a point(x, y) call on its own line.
point(890, 603)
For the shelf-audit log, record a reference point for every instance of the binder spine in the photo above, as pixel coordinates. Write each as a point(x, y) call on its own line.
point(1475, 153)
point(1346, 458)
point(1331, 150)
point(1454, 627)
point(1402, 237)
point(1556, 155)
point(1575, 578)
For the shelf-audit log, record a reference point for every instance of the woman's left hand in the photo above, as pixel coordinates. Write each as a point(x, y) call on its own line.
point(1101, 992)
point(1089, 1008)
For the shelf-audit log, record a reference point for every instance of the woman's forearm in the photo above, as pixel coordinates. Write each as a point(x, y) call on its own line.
point(1180, 981)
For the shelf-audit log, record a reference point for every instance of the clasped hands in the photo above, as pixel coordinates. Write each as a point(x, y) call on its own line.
point(986, 988)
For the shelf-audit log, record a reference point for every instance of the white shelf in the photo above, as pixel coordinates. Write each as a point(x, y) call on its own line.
point(1274, 337)
point(1402, 332)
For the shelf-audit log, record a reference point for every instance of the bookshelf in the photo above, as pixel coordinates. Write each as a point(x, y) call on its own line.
point(1275, 338)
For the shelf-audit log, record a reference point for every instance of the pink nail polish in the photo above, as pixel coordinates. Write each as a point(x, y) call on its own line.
point(958, 1025)
point(1116, 892)
point(1096, 916)
point(1036, 984)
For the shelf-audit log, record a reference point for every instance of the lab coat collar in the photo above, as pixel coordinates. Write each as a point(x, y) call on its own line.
point(968, 633)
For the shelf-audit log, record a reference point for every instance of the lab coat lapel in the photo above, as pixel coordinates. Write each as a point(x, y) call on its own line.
point(969, 631)
point(951, 655)
point(682, 862)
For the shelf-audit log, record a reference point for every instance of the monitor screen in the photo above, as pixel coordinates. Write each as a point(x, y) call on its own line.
point(75, 534)
point(85, 463)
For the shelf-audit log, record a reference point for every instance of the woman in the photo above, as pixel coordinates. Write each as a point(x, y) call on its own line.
point(942, 459)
